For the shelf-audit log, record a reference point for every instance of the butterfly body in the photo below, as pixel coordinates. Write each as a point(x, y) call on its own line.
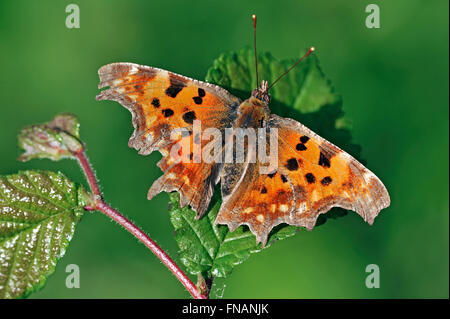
point(252, 113)
point(306, 178)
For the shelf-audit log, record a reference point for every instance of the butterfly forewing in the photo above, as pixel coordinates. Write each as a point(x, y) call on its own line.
point(161, 101)
point(324, 176)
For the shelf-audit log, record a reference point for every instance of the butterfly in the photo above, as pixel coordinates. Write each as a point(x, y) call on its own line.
point(310, 177)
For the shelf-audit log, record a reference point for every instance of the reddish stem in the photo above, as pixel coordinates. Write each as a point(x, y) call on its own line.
point(103, 207)
point(89, 172)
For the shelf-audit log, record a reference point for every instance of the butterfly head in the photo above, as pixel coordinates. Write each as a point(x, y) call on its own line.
point(262, 93)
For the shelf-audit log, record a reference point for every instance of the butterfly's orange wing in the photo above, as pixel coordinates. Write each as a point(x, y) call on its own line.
point(260, 201)
point(161, 101)
point(194, 181)
point(325, 176)
point(312, 176)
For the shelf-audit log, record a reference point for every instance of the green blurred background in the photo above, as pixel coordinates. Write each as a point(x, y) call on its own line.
point(394, 81)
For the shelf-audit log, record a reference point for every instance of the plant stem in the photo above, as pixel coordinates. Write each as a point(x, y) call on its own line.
point(89, 172)
point(103, 207)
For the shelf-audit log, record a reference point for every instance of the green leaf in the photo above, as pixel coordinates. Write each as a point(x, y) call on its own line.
point(39, 211)
point(56, 139)
point(305, 88)
point(211, 250)
point(306, 95)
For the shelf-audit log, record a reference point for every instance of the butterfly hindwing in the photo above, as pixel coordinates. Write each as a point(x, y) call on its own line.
point(260, 201)
point(193, 180)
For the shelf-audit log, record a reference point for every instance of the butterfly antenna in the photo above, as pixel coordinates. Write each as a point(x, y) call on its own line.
point(254, 45)
point(311, 50)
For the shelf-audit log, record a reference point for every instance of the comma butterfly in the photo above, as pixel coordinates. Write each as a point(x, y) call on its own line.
point(310, 175)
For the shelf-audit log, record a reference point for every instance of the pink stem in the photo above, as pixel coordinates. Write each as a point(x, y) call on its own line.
point(89, 172)
point(134, 230)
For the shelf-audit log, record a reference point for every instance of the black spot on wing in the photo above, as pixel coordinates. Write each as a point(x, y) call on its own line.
point(176, 85)
point(264, 190)
point(271, 175)
point(167, 112)
point(189, 117)
point(304, 139)
point(155, 102)
point(323, 160)
point(300, 147)
point(310, 178)
point(326, 181)
point(292, 164)
point(173, 91)
point(197, 100)
point(201, 92)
